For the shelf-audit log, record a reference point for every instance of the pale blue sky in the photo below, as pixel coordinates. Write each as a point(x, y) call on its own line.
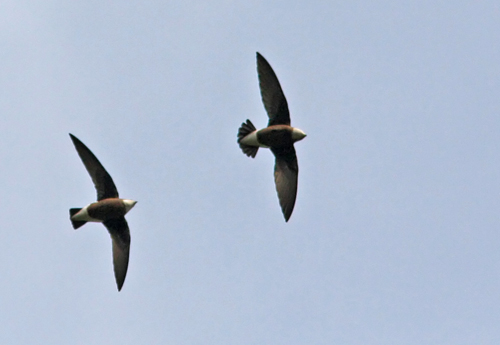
point(395, 236)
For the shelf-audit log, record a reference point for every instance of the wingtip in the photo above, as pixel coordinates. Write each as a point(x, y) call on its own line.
point(73, 138)
point(119, 282)
point(287, 216)
point(287, 211)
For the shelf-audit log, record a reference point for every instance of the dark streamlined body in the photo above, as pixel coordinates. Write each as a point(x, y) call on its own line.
point(279, 136)
point(109, 210)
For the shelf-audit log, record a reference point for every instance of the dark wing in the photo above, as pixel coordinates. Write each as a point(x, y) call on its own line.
point(102, 181)
point(286, 172)
point(120, 236)
point(272, 96)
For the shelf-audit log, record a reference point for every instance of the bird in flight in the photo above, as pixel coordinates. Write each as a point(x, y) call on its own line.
point(279, 136)
point(109, 210)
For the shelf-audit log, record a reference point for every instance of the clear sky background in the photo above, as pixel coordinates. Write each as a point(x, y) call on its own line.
point(395, 236)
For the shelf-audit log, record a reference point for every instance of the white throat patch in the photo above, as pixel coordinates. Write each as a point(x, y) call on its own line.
point(298, 134)
point(129, 204)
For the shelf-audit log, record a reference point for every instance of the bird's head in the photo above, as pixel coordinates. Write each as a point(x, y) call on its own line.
point(129, 204)
point(297, 134)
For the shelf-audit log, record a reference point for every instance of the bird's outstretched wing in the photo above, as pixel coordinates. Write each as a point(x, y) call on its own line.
point(102, 180)
point(286, 172)
point(272, 95)
point(120, 236)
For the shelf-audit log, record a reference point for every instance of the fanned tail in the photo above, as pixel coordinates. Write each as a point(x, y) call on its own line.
point(245, 129)
point(76, 223)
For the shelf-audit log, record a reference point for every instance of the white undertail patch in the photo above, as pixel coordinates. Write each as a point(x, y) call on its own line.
point(83, 216)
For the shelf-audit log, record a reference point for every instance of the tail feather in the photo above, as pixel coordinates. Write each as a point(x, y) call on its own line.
point(76, 223)
point(245, 129)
